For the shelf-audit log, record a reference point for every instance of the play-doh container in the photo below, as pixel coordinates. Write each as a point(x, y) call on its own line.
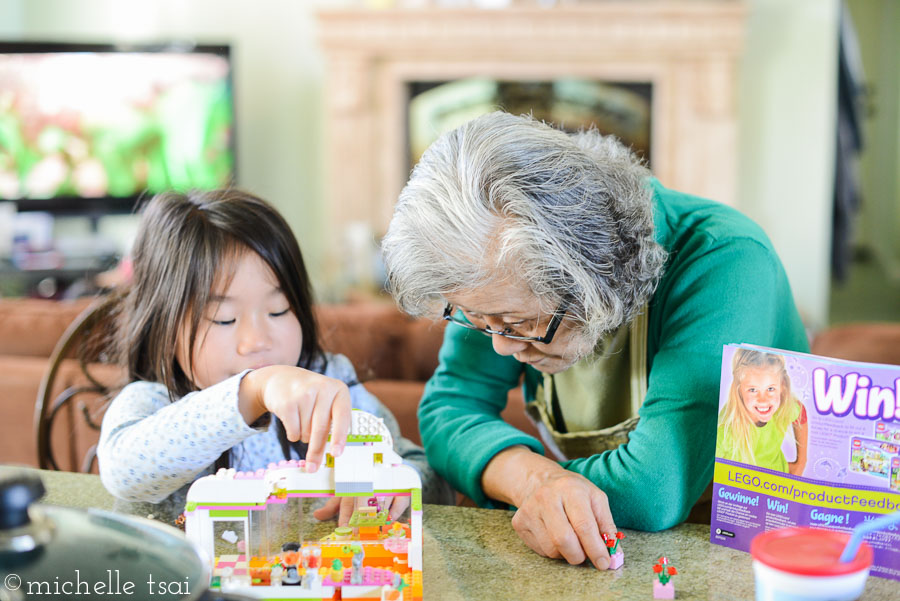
point(803, 564)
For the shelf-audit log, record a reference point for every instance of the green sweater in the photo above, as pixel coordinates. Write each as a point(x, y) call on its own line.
point(723, 283)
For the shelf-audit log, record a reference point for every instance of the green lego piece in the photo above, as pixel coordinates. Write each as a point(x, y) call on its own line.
point(364, 438)
point(358, 520)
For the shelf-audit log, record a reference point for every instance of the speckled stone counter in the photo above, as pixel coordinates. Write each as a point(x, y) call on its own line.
point(475, 554)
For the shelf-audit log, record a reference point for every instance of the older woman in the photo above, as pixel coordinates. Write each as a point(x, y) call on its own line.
point(607, 296)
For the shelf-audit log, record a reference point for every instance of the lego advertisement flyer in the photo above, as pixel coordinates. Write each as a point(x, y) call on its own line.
point(803, 440)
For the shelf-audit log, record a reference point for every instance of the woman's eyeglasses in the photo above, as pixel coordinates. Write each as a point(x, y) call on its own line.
point(488, 331)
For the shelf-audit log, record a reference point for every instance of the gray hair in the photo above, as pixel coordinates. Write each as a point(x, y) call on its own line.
point(568, 215)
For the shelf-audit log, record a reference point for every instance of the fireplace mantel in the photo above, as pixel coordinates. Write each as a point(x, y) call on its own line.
point(688, 51)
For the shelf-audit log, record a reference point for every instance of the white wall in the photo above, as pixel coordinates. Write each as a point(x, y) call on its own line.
point(787, 107)
point(11, 17)
point(787, 95)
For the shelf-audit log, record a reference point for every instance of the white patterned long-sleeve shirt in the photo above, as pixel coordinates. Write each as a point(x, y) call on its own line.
point(151, 448)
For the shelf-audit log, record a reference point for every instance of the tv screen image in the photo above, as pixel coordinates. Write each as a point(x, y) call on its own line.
point(103, 123)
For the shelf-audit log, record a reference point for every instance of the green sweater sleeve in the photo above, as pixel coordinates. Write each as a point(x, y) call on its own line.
point(711, 296)
point(459, 416)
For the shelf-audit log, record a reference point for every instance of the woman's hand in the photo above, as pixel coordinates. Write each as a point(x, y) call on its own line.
point(560, 513)
point(344, 507)
point(307, 403)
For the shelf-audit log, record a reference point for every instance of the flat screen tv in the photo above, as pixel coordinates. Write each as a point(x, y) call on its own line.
point(91, 128)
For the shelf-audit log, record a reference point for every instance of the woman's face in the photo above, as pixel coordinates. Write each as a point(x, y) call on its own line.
point(761, 393)
point(511, 306)
point(247, 325)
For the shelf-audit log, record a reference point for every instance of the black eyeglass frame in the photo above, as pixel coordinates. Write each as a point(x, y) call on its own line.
point(547, 338)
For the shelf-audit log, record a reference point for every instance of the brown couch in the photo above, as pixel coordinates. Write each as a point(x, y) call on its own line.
point(393, 354)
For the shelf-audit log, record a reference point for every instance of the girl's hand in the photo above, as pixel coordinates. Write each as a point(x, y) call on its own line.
point(344, 507)
point(560, 513)
point(307, 403)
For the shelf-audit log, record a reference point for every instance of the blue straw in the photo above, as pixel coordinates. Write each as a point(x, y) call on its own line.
point(863, 529)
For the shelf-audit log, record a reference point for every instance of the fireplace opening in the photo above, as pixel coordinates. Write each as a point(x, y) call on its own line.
point(622, 109)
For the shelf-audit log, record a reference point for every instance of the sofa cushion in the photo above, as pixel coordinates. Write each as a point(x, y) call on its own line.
point(71, 436)
point(369, 335)
point(380, 341)
point(31, 327)
point(402, 398)
point(872, 342)
point(21, 377)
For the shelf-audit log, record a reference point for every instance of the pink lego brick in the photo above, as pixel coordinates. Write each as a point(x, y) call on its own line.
point(663, 591)
point(616, 560)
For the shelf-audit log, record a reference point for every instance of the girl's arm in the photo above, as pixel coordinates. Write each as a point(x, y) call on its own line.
point(150, 447)
point(801, 435)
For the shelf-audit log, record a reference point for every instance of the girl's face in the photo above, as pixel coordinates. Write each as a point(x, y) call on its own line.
point(247, 325)
point(761, 393)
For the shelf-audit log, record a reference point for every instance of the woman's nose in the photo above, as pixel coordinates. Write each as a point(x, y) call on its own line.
point(507, 346)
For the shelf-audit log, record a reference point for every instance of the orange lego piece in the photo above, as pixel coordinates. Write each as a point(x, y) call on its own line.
point(416, 585)
point(387, 528)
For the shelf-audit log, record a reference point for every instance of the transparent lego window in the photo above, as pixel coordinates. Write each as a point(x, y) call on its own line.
point(230, 537)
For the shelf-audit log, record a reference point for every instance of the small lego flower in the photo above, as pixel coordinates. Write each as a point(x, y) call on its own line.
point(612, 541)
point(663, 570)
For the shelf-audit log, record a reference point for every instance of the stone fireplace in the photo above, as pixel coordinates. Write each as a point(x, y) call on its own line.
point(687, 51)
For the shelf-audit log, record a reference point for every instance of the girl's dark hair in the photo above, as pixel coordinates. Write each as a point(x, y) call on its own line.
point(183, 242)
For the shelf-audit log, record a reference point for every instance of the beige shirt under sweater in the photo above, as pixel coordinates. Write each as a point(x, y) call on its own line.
point(592, 406)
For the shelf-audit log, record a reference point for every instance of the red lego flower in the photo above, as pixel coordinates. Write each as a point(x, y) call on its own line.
point(663, 570)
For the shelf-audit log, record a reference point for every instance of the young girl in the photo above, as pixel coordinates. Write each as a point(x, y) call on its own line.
point(223, 356)
point(758, 412)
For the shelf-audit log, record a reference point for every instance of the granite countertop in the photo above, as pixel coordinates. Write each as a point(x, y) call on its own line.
point(475, 554)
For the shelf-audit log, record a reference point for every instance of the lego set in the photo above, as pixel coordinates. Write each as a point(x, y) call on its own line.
point(254, 527)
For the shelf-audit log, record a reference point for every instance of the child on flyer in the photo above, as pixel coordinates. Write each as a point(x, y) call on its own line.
point(758, 412)
point(223, 358)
